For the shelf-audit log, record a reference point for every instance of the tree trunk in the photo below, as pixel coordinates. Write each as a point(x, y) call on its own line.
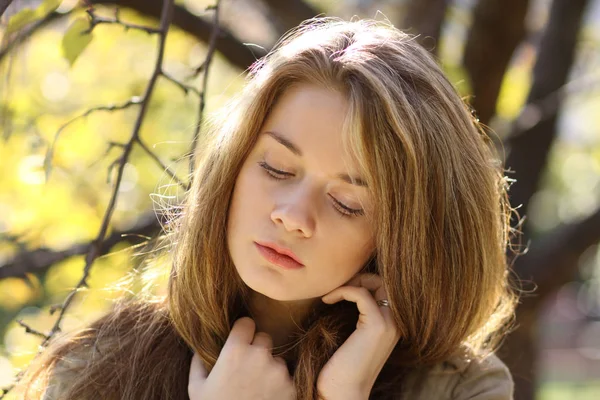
point(498, 28)
point(519, 349)
point(4, 5)
point(425, 18)
point(529, 149)
point(528, 157)
point(290, 13)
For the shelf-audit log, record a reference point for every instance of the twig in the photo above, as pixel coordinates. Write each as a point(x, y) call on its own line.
point(96, 20)
point(230, 46)
point(162, 165)
point(29, 329)
point(204, 67)
point(111, 145)
point(183, 86)
point(39, 260)
point(50, 153)
point(96, 245)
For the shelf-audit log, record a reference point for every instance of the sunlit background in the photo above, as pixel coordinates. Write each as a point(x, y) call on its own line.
point(45, 211)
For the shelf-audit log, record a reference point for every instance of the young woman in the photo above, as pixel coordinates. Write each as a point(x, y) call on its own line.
point(344, 238)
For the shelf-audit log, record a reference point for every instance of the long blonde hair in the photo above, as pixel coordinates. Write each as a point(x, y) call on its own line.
point(442, 225)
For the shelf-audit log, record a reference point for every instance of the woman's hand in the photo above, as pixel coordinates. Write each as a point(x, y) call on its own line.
point(352, 370)
point(245, 369)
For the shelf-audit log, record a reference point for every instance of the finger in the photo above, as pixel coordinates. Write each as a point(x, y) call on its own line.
point(242, 331)
point(372, 282)
point(280, 360)
point(367, 280)
point(198, 373)
point(293, 395)
point(361, 296)
point(263, 339)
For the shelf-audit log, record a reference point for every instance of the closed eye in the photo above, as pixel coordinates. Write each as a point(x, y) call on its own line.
point(340, 207)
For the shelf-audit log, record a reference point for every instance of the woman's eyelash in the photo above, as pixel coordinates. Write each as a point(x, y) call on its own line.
point(274, 173)
point(344, 210)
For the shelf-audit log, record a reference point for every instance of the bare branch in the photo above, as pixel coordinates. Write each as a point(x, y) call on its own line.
point(236, 52)
point(29, 329)
point(112, 107)
point(4, 5)
point(96, 20)
point(205, 66)
point(183, 86)
point(231, 47)
point(95, 248)
point(38, 261)
point(111, 145)
point(161, 164)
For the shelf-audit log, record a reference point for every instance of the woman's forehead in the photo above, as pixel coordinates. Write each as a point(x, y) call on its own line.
point(310, 121)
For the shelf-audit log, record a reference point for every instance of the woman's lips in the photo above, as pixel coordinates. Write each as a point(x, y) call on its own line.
point(278, 259)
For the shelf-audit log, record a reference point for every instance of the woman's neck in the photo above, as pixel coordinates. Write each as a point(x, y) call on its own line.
point(280, 319)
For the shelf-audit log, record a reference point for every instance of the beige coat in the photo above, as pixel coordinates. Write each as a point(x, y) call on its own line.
point(459, 378)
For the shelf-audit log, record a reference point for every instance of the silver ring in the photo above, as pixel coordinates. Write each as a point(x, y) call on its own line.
point(383, 303)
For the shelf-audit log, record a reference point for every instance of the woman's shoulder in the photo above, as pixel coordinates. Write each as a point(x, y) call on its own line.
point(106, 341)
point(462, 376)
point(107, 351)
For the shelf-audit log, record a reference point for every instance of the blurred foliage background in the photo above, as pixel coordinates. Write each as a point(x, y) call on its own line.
point(530, 69)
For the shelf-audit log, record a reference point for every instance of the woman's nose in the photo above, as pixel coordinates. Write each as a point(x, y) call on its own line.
point(296, 213)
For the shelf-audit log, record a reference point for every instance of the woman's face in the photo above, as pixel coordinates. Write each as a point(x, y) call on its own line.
point(306, 208)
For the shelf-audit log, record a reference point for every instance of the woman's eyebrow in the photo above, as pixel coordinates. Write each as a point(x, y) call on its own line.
point(291, 146)
point(294, 149)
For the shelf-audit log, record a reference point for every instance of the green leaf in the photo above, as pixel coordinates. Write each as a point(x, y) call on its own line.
point(49, 6)
point(75, 40)
point(20, 19)
point(29, 15)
